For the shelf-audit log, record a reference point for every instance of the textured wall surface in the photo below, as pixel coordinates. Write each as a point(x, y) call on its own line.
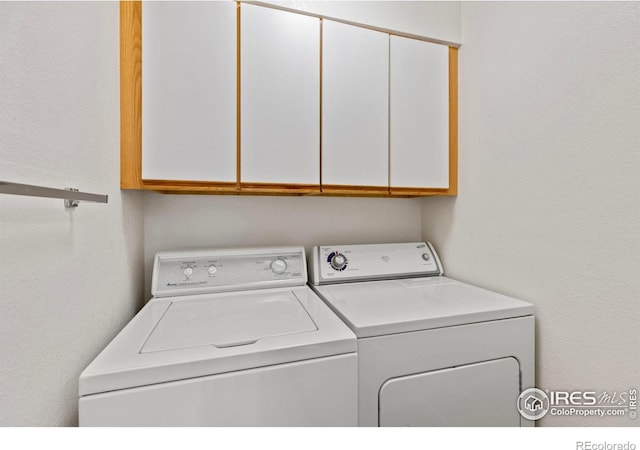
point(549, 202)
point(174, 222)
point(69, 280)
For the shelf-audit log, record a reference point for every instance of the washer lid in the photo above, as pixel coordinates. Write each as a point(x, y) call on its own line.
point(179, 338)
point(228, 322)
point(379, 308)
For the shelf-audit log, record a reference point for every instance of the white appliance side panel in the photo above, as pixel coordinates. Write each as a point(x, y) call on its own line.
point(280, 78)
point(475, 395)
point(189, 91)
point(355, 112)
point(317, 392)
point(419, 114)
point(385, 357)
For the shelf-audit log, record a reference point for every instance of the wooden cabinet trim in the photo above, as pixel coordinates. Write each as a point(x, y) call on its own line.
point(281, 188)
point(356, 190)
point(131, 95)
point(417, 192)
point(187, 185)
point(453, 121)
point(238, 96)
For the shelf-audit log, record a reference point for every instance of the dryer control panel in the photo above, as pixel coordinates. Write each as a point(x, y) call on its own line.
point(207, 271)
point(344, 263)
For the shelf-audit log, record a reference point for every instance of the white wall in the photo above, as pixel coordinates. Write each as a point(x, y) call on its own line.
point(437, 20)
point(549, 197)
point(549, 204)
point(69, 280)
point(174, 222)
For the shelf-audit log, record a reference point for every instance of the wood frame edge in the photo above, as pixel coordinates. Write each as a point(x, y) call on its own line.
point(453, 121)
point(130, 94)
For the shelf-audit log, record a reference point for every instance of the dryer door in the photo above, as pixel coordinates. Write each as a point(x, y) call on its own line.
point(480, 394)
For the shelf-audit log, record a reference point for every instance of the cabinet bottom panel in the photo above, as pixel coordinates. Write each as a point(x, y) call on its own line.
point(224, 188)
point(279, 188)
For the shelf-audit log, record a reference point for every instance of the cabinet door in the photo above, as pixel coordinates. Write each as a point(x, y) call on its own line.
point(280, 96)
point(189, 91)
point(419, 114)
point(355, 92)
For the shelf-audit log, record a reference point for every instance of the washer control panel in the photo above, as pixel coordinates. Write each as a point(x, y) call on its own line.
point(343, 263)
point(204, 271)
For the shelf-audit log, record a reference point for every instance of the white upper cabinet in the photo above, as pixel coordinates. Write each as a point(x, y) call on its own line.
point(325, 107)
point(280, 96)
point(189, 91)
point(419, 114)
point(355, 92)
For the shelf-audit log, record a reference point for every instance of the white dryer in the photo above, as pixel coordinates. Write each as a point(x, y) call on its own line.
point(432, 351)
point(231, 338)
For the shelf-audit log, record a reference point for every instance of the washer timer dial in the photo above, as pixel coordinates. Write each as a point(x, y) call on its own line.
point(337, 261)
point(278, 266)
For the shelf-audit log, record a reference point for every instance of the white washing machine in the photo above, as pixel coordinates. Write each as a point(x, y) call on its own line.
point(432, 351)
point(231, 338)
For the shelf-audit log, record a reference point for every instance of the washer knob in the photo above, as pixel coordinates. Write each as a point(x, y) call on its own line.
point(278, 266)
point(338, 261)
point(212, 269)
point(426, 256)
point(188, 271)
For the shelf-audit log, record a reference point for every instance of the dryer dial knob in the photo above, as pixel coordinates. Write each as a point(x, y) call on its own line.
point(338, 261)
point(278, 266)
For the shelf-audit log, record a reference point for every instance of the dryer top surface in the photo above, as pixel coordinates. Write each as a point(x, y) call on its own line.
point(379, 308)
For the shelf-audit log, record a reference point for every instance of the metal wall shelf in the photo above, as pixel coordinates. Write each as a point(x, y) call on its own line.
point(71, 196)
